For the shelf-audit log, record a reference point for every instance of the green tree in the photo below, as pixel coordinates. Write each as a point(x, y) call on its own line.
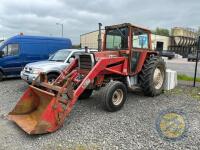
point(161, 31)
point(76, 46)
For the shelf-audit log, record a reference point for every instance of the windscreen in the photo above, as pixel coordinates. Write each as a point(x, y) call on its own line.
point(60, 56)
point(117, 39)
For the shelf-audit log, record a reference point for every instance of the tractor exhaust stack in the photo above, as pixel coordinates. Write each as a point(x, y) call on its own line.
point(99, 38)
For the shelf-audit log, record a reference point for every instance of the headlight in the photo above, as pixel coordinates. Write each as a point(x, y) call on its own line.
point(25, 68)
point(36, 71)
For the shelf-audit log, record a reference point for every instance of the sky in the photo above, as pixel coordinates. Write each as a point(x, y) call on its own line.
point(39, 17)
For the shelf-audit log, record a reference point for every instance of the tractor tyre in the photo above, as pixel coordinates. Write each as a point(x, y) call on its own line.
point(86, 94)
point(113, 96)
point(1, 76)
point(152, 76)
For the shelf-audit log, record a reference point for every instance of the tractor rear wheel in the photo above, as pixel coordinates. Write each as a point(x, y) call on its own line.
point(86, 94)
point(114, 95)
point(152, 76)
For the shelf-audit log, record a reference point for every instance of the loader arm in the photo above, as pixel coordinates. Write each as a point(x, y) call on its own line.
point(43, 108)
point(99, 67)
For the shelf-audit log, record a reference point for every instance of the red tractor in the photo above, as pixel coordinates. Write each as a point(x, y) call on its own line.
point(124, 62)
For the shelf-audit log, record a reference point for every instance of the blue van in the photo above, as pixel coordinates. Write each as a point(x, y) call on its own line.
point(19, 50)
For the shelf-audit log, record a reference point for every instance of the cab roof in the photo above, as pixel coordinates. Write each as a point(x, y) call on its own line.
point(127, 25)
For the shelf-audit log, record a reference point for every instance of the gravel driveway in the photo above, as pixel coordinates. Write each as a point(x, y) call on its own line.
point(90, 127)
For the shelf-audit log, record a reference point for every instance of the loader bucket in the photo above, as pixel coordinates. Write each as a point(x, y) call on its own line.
point(37, 112)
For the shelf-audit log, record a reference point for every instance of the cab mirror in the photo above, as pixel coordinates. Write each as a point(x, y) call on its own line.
point(1, 53)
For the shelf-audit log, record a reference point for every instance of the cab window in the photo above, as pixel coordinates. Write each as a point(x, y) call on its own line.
point(11, 50)
point(117, 39)
point(140, 39)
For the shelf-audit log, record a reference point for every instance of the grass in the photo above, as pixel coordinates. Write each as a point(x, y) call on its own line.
point(193, 92)
point(175, 91)
point(187, 78)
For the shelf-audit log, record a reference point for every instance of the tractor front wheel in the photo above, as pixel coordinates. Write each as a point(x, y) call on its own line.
point(86, 94)
point(113, 95)
point(152, 76)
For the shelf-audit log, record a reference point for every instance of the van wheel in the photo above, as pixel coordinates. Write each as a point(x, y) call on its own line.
point(1, 76)
point(52, 77)
point(114, 95)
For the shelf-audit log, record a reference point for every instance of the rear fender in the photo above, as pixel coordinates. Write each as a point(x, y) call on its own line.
point(144, 55)
point(53, 72)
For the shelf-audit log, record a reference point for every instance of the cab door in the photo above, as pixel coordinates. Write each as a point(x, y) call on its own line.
point(140, 43)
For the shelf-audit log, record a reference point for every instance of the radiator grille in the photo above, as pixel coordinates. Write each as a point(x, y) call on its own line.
point(86, 61)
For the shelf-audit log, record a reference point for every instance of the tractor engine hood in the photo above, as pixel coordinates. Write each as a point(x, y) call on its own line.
point(87, 61)
point(106, 54)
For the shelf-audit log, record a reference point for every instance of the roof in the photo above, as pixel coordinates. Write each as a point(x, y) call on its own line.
point(36, 37)
point(91, 32)
point(125, 25)
point(119, 26)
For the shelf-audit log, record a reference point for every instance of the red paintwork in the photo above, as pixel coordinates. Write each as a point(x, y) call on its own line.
point(55, 111)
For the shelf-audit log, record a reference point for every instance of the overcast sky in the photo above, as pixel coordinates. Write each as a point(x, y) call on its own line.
point(39, 17)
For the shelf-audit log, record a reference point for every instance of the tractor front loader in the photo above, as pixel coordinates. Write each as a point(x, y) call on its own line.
point(125, 61)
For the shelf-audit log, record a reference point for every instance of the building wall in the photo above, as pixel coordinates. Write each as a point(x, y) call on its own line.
point(158, 38)
point(91, 40)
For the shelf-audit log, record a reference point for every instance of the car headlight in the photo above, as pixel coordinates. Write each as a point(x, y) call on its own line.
point(36, 71)
point(25, 68)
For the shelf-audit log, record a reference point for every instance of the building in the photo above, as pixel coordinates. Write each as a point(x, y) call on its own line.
point(160, 42)
point(90, 40)
point(2, 39)
point(183, 41)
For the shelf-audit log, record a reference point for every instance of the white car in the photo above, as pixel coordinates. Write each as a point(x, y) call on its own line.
point(52, 67)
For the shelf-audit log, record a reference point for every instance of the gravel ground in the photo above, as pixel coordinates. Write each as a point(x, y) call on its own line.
point(90, 127)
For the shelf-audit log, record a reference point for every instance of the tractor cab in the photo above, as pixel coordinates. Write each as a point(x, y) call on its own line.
point(128, 41)
point(126, 37)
